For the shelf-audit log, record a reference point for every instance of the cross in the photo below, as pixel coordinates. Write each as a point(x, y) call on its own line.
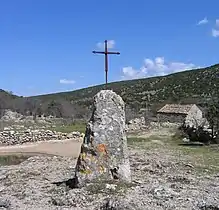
point(106, 53)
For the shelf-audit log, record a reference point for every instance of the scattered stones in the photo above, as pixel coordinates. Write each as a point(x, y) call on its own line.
point(12, 137)
point(136, 124)
point(159, 176)
point(10, 115)
point(104, 152)
point(30, 186)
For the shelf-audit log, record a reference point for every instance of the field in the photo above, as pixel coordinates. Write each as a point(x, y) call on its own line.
point(165, 175)
point(70, 128)
point(203, 159)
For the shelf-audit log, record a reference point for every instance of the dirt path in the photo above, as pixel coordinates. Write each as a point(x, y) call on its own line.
point(69, 147)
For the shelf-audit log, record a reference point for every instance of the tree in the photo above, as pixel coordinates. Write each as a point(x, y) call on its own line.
point(54, 108)
point(213, 115)
point(213, 107)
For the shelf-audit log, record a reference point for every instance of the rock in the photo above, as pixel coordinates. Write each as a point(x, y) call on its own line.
point(136, 124)
point(115, 203)
point(185, 140)
point(2, 188)
point(189, 165)
point(192, 143)
point(206, 206)
point(69, 135)
point(163, 191)
point(5, 204)
point(111, 186)
point(76, 133)
point(104, 151)
point(12, 132)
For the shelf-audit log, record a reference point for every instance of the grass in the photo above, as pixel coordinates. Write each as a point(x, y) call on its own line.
point(77, 126)
point(70, 128)
point(134, 140)
point(151, 142)
point(205, 159)
point(12, 159)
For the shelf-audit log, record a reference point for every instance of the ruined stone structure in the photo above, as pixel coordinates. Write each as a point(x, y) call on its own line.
point(190, 114)
point(104, 152)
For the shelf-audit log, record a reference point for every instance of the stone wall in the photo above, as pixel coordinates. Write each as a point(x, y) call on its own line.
point(195, 118)
point(13, 137)
point(171, 118)
point(136, 124)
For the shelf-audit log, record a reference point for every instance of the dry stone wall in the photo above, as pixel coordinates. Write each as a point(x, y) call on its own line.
point(136, 124)
point(171, 118)
point(13, 137)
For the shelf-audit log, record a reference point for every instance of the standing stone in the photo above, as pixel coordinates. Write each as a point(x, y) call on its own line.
point(104, 152)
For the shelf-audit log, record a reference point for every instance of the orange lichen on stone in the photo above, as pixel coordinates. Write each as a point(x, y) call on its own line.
point(101, 148)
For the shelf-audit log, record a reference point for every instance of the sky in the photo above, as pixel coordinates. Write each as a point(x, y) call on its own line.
point(46, 45)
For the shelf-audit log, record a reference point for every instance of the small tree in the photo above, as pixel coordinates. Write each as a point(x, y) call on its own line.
point(213, 115)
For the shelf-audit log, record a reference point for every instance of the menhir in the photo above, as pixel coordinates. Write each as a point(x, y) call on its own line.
point(104, 152)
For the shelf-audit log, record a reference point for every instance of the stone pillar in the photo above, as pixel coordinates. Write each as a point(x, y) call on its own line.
point(104, 152)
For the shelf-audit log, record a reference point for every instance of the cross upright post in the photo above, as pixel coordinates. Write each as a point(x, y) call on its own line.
point(106, 53)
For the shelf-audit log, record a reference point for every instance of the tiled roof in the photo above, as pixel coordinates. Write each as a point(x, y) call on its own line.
point(176, 108)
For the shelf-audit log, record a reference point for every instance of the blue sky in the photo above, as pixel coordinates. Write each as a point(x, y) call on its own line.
point(46, 45)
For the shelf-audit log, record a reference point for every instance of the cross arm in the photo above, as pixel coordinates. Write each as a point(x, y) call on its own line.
point(117, 53)
point(99, 52)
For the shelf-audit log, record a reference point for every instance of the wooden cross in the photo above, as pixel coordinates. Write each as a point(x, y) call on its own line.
point(106, 53)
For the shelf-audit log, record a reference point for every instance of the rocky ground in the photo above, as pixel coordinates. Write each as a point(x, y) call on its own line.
point(164, 176)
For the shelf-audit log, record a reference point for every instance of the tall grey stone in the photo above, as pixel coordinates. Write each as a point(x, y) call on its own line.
point(104, 152)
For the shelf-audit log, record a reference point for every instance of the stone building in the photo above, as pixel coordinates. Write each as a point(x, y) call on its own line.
point(190, 114)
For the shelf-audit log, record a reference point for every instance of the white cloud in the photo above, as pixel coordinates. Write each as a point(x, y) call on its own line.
point(156, 67)
point(110, 44)
point(66, 81)
point(215, 33)
point(203, 21)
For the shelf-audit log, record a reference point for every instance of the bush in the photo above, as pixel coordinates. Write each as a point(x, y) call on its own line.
point(199, 135)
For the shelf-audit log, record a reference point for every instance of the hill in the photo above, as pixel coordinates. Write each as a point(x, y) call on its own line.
point(192, 86)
